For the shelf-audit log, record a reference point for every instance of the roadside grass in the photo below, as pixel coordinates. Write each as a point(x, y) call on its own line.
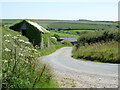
point(54, 46)
point(47, 51)
point(21, 67)
point(98, 52)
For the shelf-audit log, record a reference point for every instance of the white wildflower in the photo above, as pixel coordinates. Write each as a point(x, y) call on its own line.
point(5, 61)
point(7, 50)
point(18, 35)
point(7, 35)
point(7, 40)
point(35, 50)
point(31, 55)
point(14, 37)
point(15, 45)
point(21, 40)
point(20, 54)
point(36, 53)
point(29, 48)
point(27, 42)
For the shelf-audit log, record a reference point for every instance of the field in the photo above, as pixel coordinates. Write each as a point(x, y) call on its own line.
point(69, 28)
point(63, 34)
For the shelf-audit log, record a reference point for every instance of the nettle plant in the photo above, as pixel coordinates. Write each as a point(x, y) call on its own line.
point(20, 65)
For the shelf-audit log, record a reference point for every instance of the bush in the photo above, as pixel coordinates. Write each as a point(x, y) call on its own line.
point(98, 36)
point(57, 36)
point(66, 43)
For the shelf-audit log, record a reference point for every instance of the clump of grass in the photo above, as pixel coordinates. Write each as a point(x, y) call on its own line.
point(21, 67)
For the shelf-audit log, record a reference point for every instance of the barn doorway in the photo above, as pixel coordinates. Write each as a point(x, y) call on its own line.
point(24, 32)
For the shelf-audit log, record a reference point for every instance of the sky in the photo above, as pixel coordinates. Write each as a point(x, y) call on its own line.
point(62, 10)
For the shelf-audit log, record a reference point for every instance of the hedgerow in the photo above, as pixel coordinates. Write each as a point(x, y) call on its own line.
point(98, 46)
point(98, 36)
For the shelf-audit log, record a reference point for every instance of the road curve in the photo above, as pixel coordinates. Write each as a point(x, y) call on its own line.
point(85, 74)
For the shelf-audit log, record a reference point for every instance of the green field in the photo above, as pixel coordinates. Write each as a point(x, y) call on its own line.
point(63, 34)
point(46, 22)
point(69, 28)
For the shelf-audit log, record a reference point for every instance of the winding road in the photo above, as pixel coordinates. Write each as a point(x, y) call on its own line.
point(70, 72)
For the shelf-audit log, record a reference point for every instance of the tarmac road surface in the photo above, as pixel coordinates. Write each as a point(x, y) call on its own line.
point(70, 72)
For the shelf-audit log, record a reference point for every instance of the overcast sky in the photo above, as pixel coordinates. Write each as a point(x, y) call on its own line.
point(61, 9)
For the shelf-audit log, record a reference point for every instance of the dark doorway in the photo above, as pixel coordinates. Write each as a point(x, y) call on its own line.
point(24, 31)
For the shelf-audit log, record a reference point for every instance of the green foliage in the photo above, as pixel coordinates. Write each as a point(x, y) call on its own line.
point(21, 67)
point(67, 43)
point(47, 38)
point(57, 36)
point(98, 36)
point(16, 26)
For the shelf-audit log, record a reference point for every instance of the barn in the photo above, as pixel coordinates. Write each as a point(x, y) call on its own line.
point(34, 32)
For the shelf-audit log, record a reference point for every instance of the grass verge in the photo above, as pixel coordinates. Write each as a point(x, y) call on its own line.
point(98, 52)
point(21, 67)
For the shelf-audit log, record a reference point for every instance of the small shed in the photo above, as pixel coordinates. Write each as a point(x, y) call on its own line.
point(34, 32)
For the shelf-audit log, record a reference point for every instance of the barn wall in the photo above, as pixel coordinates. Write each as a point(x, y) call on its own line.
point(49, 42)
point(23, 26)
point(34, 35)
point(17, 26)
point(42, 43)
point(46, 40)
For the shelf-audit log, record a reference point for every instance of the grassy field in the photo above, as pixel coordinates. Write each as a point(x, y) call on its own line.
point(99, 46)
point(69, 28)
point(63, 34)
point(21, 67)
point(80, 26)
point(82, 30)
